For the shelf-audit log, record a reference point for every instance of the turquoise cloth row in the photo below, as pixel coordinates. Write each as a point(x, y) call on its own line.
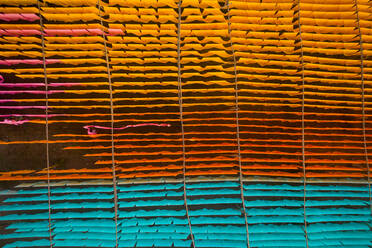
point(154, 215)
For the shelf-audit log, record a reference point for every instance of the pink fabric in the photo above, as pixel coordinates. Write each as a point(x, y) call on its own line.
point(95, 31)
point(22, 107)
point(31, 17)
point(10, 62)
point(10, 17)
point(33, 85)
point(54, 32)
point(79, 32)
point(92, 128)
point(51, 32)
point(19, 32)
point(42, 116)
point(32, 61)
point(13, 122)
point(52, 61)
point(15, 17)
point(30, 92)
point(115, 31)
point(30, 85)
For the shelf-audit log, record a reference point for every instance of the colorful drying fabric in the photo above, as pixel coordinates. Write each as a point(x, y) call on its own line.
point(185, 123)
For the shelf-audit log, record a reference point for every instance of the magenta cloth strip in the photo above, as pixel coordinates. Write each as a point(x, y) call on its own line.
point(91, 128)
point(10, 62)
point(32, 85)
point(22, 107)
point(19, 32)
point(30, 17)
point(26, 115)
point(52, 32)
point(6, 100)
point(13, 92)
point(8, 17)
point(13, 122)
point(115, 31)
point(1, 79)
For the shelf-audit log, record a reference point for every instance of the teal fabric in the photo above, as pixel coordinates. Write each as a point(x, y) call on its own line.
point(154, 215)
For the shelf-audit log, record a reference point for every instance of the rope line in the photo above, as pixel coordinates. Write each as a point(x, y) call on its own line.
point(46, 124)
point(237, 125)
point(303, 121)
point(112, 126)
point(363, 102)
point(181, 119)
